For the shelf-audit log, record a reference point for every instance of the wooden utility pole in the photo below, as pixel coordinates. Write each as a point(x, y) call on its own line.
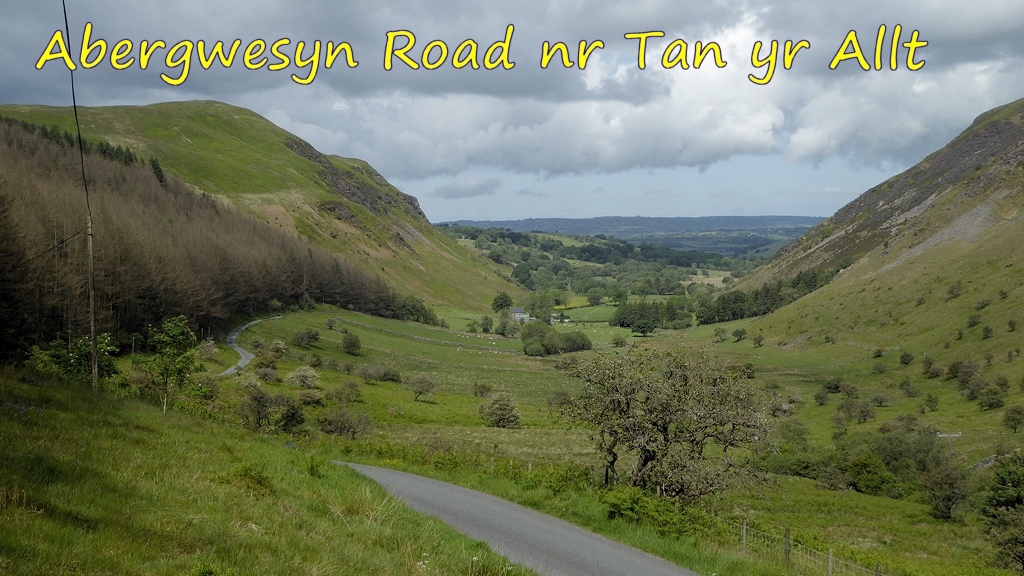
point(92, 306)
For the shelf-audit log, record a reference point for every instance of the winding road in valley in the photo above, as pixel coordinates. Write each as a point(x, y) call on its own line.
point(543, 543)
point(244, 355)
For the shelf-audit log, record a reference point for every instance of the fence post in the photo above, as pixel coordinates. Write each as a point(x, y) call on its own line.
point(744, 534)
point(878, 569)
point(831, 562)
point(785, 545)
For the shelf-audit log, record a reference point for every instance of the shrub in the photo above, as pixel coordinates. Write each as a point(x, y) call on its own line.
point(930, 403)
point(1011, 325)
point(311, 398)
point(990, 399)
point(973, 320)
point(534, 349)
point(618, 341)
point(208, 349)
point(834, 385)
point(986, 332)
point(739, 334)
point(265, 359)
point(879, 400)
point(1013, 418)
point(330, 323)
point(864, 412)
point(558, 399)
point(314, 361)
point(304, 377)
point(878, 353)
point(255, 410)
point(350, 344)
point(379, 374)
point(267, 375)
point(906, 358)
point(340, 422)
point(947, 488)
point(849, 390)
point(955, 289)
point(758, 340)
point(333, 364)
point(821, 397)
point(286, 414)
point(500, 412)
point(278, 347)
point(879, 367)
point(982, 303)
point(482, 390)
point(908, 389)
point(420, 386)
point(347, 393)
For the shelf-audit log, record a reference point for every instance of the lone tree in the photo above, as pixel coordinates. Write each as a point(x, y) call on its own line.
point(501, 302)
point(678, 412)
point(594, 296)
point(175, 359)
point(350, 344)
point(1014, 418)
point(739, 334)
point(421, 386)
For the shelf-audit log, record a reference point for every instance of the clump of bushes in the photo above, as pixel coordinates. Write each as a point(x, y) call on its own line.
point(306, 337)
point(260, 412)
point(540, 339)
point(481, 390)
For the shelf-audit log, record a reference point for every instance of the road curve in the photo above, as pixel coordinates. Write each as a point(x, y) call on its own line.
point(244, 355)
point(543, 543)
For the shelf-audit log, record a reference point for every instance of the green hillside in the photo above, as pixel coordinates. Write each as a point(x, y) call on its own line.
point(939, 275)
point(342, 204)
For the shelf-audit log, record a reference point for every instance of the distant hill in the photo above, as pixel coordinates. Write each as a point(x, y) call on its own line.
point(340, 204)
point(729, 235)
point(634, 226)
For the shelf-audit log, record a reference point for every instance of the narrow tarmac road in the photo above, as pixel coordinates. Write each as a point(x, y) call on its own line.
point(244, 355)
point(543, 543)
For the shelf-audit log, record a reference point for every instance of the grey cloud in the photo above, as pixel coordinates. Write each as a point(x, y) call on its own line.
point(468, 188)
point(610, 118)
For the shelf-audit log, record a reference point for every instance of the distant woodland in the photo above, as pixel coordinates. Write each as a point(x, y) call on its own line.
point(161, 249)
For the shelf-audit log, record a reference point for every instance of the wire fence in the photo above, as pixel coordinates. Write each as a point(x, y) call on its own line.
point(800, 559)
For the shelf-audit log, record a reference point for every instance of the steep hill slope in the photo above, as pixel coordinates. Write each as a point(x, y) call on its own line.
point(950, 194)
point(342, 204)
point(934, 246)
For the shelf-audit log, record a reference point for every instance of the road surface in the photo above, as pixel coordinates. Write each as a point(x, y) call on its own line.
point(538, 541)
point(245, 355)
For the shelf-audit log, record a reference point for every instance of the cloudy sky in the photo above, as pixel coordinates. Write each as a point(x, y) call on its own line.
point(608, 140)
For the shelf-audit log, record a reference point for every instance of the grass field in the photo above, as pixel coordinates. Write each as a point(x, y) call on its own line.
point(898, 533)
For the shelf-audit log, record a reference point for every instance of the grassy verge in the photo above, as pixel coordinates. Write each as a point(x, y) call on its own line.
point(93, 485)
